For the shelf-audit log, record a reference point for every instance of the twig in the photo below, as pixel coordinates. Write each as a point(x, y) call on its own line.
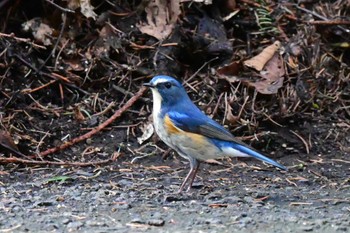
point(139, 47)
point(53, 75)
point(276, 123)
point(303, 140)
point(12, 229)
point(242, 108)
point(25, 40)
point(110, 106)
point(300, 203)
point(250, 137)
point(83, 137)
point(27, 91)
point(217, 104)
point(341, 160)
point(320, 17)
point(169, 44)
point(255, 4)
point(291, 182)
point(59, 7)
point(59, 53)
point(122, 90)
point(64, 19)
point(67, 81)
point(200, 68)
point(114, 28)
point(330, 22)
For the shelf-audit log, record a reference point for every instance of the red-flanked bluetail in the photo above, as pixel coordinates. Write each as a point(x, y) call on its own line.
point(187, 130)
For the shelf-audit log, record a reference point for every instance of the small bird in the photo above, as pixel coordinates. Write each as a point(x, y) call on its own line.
point(186, 129)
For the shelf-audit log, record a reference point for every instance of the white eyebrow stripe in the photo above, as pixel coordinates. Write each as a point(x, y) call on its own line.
point(161, 80)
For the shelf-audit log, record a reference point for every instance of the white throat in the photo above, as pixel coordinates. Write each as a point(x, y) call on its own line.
point(157, 104)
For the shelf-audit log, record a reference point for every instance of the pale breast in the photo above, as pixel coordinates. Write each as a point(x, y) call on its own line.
point(186, 145)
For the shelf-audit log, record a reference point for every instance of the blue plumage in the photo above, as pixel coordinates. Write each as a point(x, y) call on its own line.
point(192, 121)
point(185, 128)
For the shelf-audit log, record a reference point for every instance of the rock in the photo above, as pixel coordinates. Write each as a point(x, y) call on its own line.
point(137, 220)
point(307, 228)
point(95, 223)
point(248, 199)
point(66, 221)
point(74, 225)
point(173, 198)
point(156, 222)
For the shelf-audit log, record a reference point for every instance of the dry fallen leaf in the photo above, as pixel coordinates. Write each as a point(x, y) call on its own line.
point(7, 144)
point(148, 131)
point(85, 7)
point(232, 119)
point(161, 18)
point(231, 69)
point(106, 43)
point(41, 31)
point(258, 62)
point(272, 76)
point(87, 10)
point(77, 114)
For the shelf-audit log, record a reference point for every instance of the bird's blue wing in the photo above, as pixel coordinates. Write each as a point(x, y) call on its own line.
point(197, 122)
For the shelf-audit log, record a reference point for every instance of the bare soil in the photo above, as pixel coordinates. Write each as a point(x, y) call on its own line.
point(237, 196)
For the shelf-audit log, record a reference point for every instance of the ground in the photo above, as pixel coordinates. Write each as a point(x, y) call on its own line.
point(73, 112)
point(237, 196)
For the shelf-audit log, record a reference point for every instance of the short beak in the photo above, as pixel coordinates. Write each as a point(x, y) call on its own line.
point(148, 85)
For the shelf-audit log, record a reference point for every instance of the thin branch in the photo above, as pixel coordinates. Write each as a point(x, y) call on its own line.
point(59, 7)
point(25, 40)
point(320, 17)
point(330, 22)
point(64, 20)
point(117, 114)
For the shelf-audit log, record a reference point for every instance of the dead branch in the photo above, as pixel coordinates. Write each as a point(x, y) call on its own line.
point(25, 40)
point(117, 114)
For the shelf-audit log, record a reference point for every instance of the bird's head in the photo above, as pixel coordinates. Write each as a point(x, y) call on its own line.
point(167, 90)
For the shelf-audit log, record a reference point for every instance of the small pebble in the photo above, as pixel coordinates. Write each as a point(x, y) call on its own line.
point(156, 222)
point(66, 221)
point(307, 228)
point(137, 220)
point(75, 225)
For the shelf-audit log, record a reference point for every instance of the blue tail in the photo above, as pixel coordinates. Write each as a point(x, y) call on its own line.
point(257, 155)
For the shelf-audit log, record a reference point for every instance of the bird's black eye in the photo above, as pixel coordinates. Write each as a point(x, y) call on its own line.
point(167, 85)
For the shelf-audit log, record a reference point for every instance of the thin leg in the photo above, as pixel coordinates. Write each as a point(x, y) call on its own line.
point(194, 173)
point(194, 163)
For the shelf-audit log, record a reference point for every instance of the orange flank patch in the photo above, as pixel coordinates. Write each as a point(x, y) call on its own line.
point(172, 129)
point(169, 125)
